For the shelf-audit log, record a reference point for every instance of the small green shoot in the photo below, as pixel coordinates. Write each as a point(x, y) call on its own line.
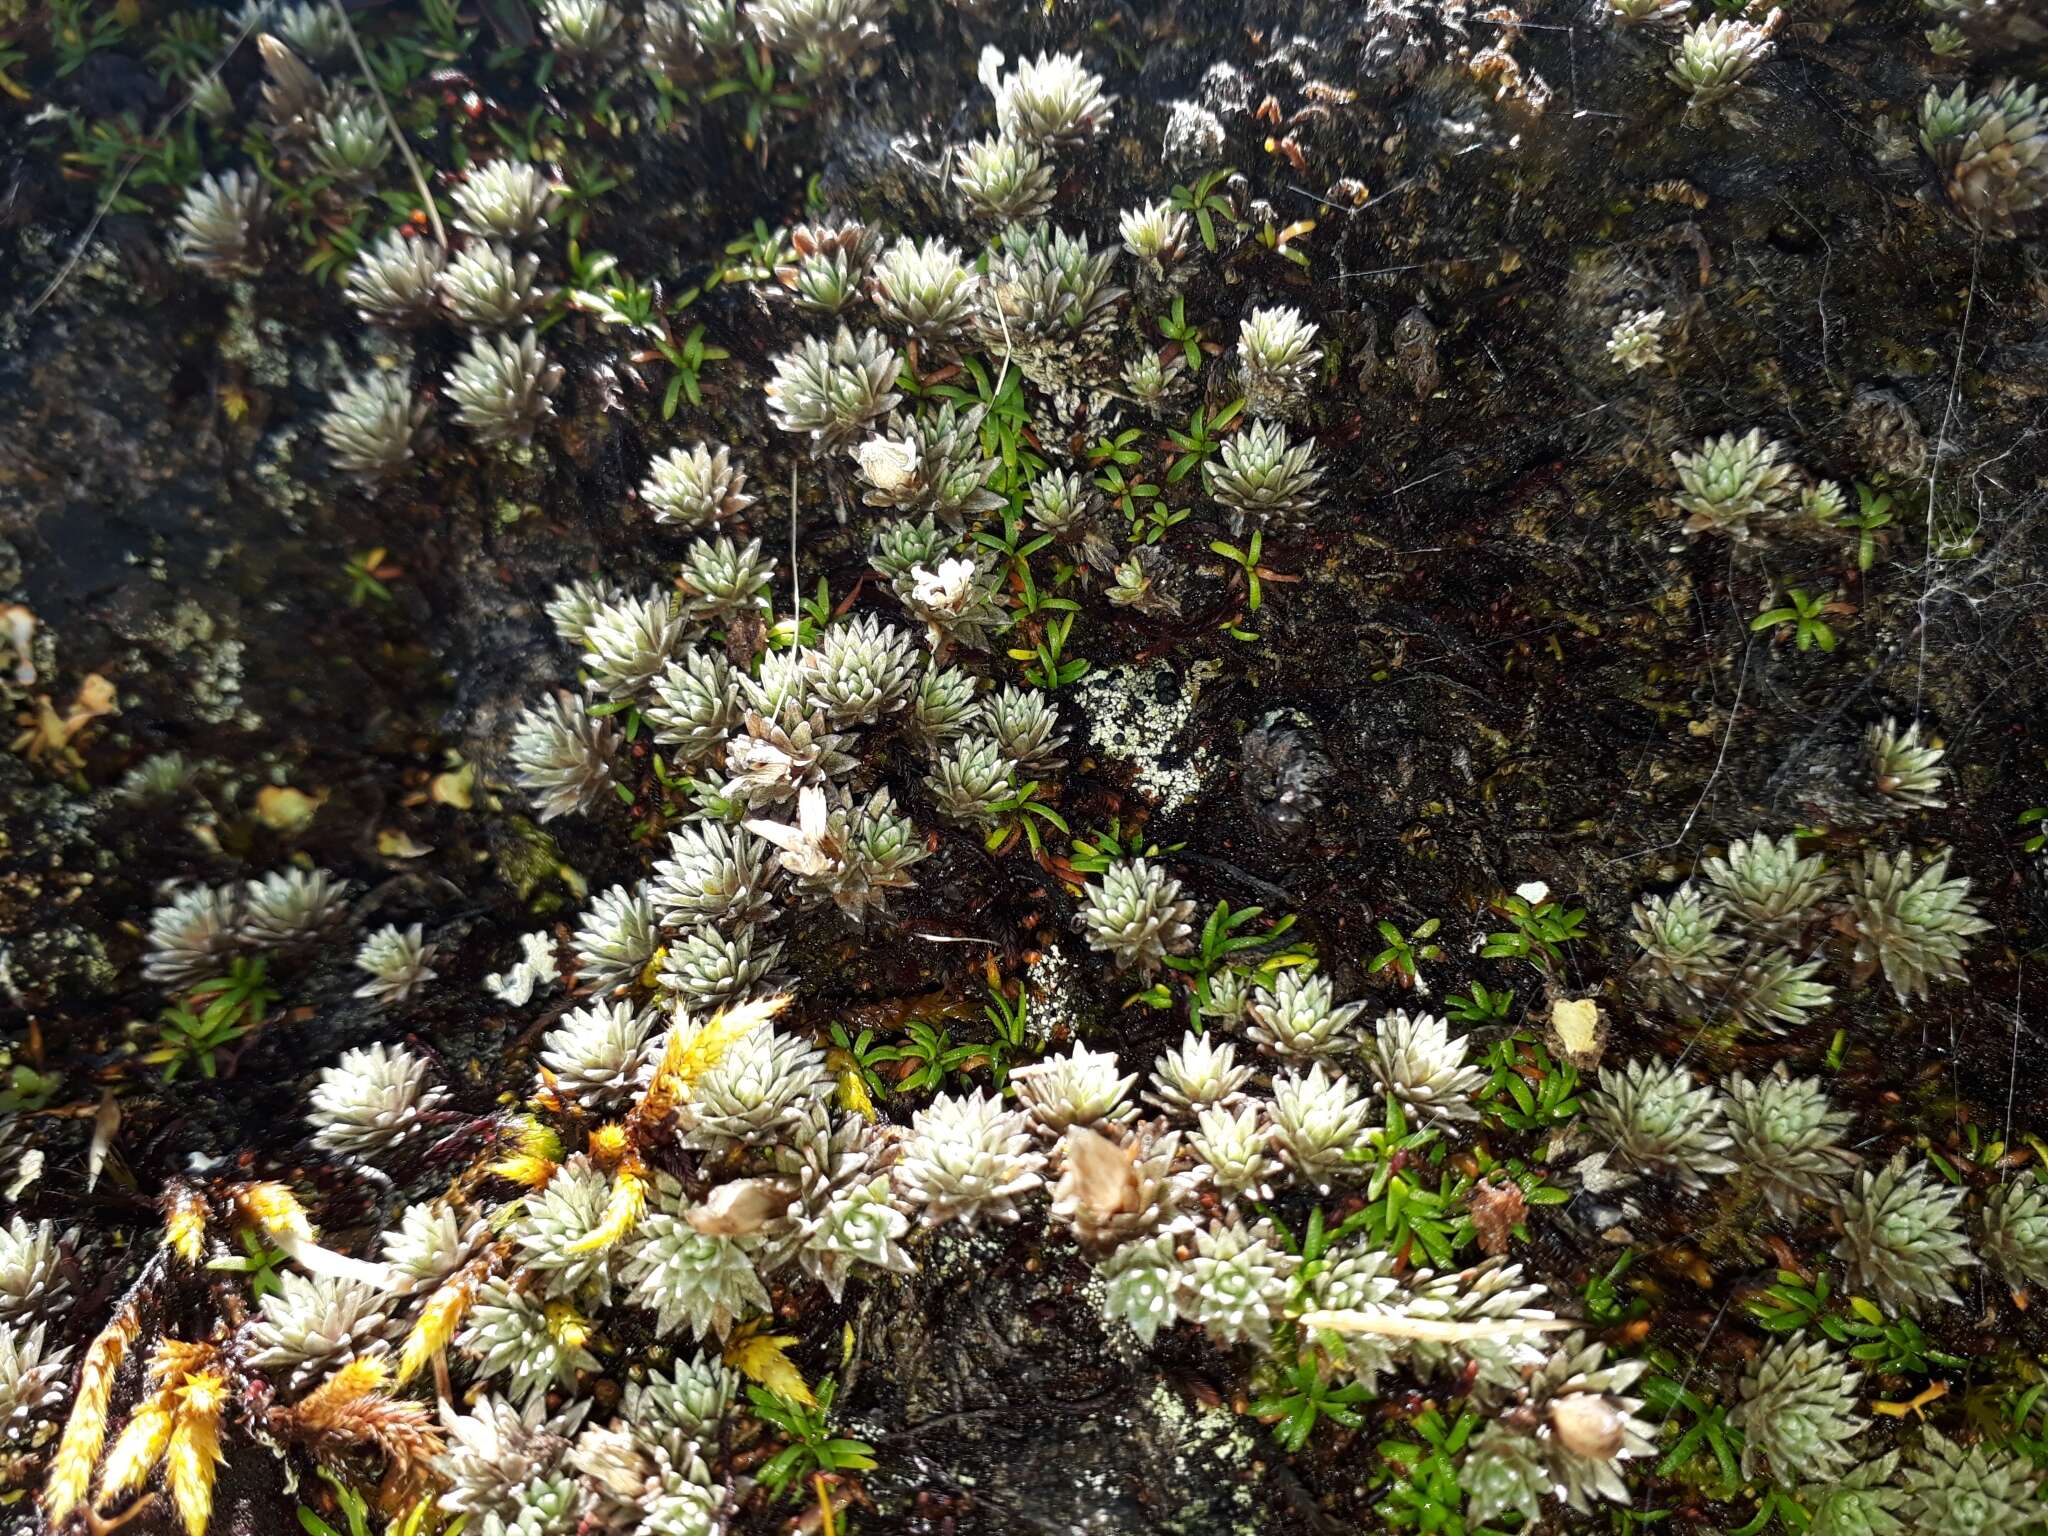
point(1421, 1479)
point(1484, 1005)
point(1301, 1395)
point(1528, 1091)
point(1708, 1453)
point(259, 1261)
point(931, 1052)
point(1206, 203)
point(210, 1017)
point(1021, 813)
point(687, 358)
point(355, 1509)
point(1404, 951)
point(1873, 514)
point(1227, 945)
point(367, 574)
point(1046, 665)
point(1537, 931)
point(1805, 614)
point(1175, 326)
point(812, 1447)
point(1204, 435)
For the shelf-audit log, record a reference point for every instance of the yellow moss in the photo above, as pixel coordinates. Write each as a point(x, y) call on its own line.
point(764, 1358)
point(194, 1449)
point(138, 1447)
point(570, 1328)
point(438, 1320)
point(622, 1211)
point(536, 1150)
point(358, 1378)
point(688, 1055)
point(185, 1224)
point(86, 1430)
point(276, 1209)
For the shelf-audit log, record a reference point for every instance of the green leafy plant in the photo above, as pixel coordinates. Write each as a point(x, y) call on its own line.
point(9, 58)
point(624, 302)
point(258, 1260)
point(364, 574)
point(764, 96)
point(1403, 951)
point(1280, 239)
point(1226, 945)
point(1206, 203)
point(79, 29)
point(187, 45)
point(1299, 1396)
point(1527, 1090)
point(355, 1509)
point(527, 136)
point(1708, 1452)
point(687, 357)
point(931, 1052)
point(1175, 326)
point(1046, 665)
point(1484, 1005)
point(1014, 547)
point(210, 1017)
point(813, 617)
point(1895, 1345)
point(102, 148)
point(1404, 1210)
point(1421, 1481)
point(2019, 1417)
point(1537, 931)
point(1118, 449)
point(27, 1089)
point(1132, 497)
point(1093, 854)
point(862, 1057)
point(450, 39)
point(1605, 1306)
point(812, 1446)
point(1204, 435)
point(2034, 816)
point(1020, 814)
point(753, 257)
point(1873, 514)
point(1005, 422)
point(1247, 562)
point(1775, 1504)
point(1011, 1021)
point(1791, 1304)
point(1805, 614)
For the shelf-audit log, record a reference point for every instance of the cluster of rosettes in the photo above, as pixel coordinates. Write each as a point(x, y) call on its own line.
point(490, 284)
point(1904, 1238)
point(1991, 149)
point(1748, 942)
point(1042, 107)
point(199, 932)
point(1713, 58)
point(1739, 485)
point(35, 1291)
point(1167, 1206)
point(714, 1163)
point(785, 752)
